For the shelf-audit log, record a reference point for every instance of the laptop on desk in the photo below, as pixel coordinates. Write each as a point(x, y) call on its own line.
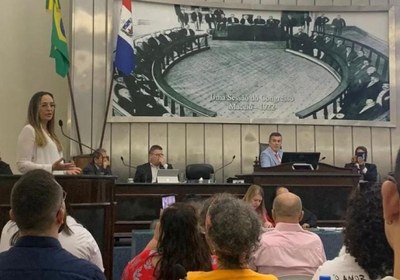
point(168, 176)
point(302, 160)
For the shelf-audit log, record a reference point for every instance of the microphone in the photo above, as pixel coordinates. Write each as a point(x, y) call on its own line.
point(223, 166)
point(179, 272)
point(322, 159)
point(127, 165)
point(60, 123)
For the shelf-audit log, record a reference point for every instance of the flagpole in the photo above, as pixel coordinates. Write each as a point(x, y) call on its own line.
point(107, 108)
point(71, 94)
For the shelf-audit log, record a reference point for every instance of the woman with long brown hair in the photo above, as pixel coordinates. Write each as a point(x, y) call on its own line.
point(255, 197)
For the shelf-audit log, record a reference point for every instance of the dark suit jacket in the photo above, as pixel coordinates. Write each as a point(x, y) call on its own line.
point(372, 173)
point(143, 173)
point(5, 168)
point(232, 20)
point(91, 169)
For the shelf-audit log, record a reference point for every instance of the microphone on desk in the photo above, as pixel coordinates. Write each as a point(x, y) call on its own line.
point(60, 123)
point(127, 165)
point(223, 166)
point(322, 159)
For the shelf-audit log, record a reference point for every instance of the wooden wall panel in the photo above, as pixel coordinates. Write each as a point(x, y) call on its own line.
point(305, 138)
point(158, 135)
point(380, 151)
point(213, 147)
point(120, 146)
point(289, 138)
point(361, 137)
point(195, 143)
point(324, 143)
point(265, 130)
point(231, 147)
point(343, 146)
point(139, 143)
point(250, 147)
point(177, 145)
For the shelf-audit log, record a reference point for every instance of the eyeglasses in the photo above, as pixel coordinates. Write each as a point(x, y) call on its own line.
point(158, 155)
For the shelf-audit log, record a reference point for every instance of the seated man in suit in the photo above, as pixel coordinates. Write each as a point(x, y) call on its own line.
point(100, 164)
point(359, 163)
point(147, 173)
point(272, 155)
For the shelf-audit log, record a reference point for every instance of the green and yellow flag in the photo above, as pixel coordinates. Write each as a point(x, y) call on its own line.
point(59, 46)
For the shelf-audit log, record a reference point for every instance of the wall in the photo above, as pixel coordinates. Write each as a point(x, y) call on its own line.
point(26, 68)
point(92, 45)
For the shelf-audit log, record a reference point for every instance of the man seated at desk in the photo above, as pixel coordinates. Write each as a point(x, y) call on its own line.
point(147, 173)
point(100, 164)
point(272, 155)
point(368, 171)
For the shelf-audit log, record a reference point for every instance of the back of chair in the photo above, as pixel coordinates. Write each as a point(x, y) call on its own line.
point(199, 170)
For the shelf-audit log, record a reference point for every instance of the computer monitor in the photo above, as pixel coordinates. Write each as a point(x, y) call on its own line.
point(301, 157)
point(168, 176)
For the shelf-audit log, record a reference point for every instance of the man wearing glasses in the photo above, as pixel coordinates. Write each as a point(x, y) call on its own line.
point(147, 173)
point(38, 208)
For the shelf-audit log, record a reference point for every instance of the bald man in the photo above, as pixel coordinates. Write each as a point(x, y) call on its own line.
point(288, 249)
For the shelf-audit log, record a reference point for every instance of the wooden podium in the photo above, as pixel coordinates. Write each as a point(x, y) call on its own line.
point(323, 191)
point(92, 201)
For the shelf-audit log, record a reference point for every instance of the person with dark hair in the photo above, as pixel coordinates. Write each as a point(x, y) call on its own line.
point(5, 168)
point(197, 18)
point(320, 23)
point(38, 208)
point(147, 172)
point(391, 213)
point(38, 147)
point(366, 253)
point(179, 242)
point(338, 24)
point(232, 230)
point(288, 249)
point(272, 155)
point(73, 237)
point(368, 171)
point(255, 197)
point(100, 164)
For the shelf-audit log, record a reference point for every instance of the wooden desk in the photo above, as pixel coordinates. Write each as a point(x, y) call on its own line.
point(92, 202)
point(323, 191)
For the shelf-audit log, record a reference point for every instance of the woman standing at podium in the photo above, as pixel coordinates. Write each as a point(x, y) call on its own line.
point(38, 146)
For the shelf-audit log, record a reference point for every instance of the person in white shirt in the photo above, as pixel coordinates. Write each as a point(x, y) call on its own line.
point(38, 146)
point(366, 253)
point(73, 237)
point(391, 213)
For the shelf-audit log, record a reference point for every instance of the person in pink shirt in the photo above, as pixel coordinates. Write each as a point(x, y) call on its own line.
point(288, 249)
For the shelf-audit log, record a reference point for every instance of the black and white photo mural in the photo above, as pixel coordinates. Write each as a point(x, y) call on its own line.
point(226, 65)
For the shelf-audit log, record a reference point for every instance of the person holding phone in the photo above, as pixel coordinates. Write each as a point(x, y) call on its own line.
point(368, 171)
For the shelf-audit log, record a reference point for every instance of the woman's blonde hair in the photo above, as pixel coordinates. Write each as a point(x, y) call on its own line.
point(252, 191)
point(34, 121)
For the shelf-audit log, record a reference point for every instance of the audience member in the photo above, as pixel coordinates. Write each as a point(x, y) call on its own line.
point(309, 219)
point(232, 230)
point(288, 249)
point(338, 24)
point(272, 155)
point(38, 208)
point(147, 172)
point(391, 213)
point(5, 168)
point(255, 197)
point(366, 254)
point(179, 242)
point(305, 22)
point(73, 237)
point(38, 146)
point(100, 164)
point(197, 18)
point(320, 23)
point(368, 171)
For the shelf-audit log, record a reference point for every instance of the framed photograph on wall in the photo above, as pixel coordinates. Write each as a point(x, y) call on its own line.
point(223, 65)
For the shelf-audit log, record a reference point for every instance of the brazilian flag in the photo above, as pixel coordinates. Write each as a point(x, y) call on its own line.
point(59, 46)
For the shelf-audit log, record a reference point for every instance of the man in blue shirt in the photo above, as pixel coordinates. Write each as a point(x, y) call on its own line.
point(272, 155)
point(38, 208)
